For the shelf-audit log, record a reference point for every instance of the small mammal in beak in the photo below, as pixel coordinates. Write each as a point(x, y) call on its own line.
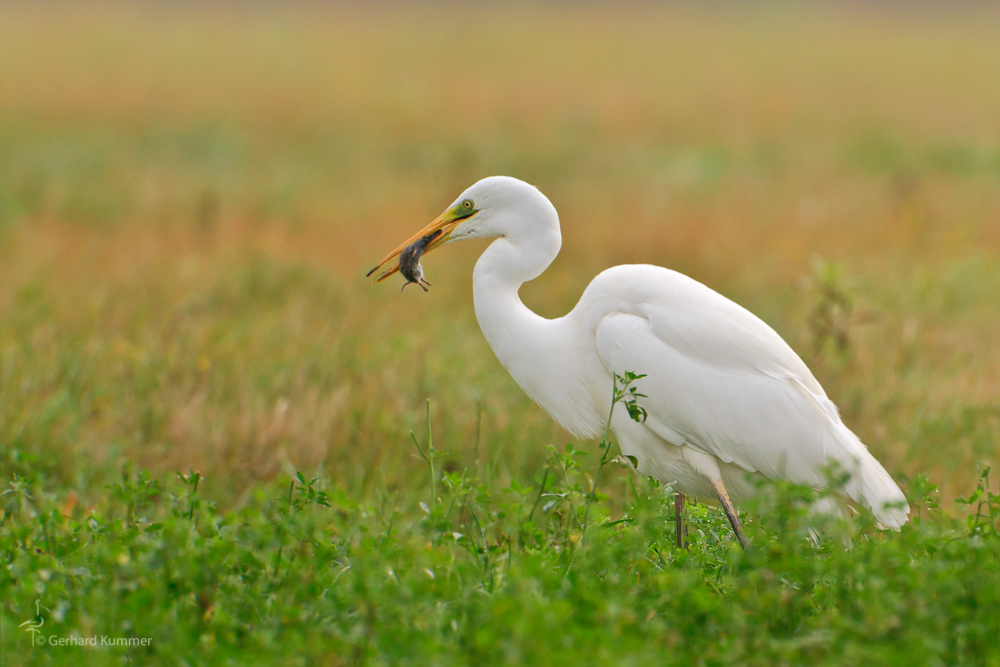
point(409, 261)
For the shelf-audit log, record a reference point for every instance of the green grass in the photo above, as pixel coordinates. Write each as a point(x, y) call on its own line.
point(190, 197)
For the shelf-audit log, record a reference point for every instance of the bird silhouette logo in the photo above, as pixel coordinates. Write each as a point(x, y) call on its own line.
point(34, 625)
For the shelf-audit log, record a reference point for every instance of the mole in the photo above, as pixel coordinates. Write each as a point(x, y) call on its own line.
point(409, 261)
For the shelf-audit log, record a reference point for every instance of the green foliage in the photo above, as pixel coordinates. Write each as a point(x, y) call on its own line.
point(986, 521)
point(304, 572)
point(628, 395)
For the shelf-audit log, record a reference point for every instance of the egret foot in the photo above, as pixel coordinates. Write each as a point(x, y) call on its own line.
point(679, 518)
point(734, 519)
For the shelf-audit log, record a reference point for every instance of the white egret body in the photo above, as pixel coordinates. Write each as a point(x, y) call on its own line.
point(726, 396)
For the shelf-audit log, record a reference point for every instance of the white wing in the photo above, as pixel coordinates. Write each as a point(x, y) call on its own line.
point(723, 382)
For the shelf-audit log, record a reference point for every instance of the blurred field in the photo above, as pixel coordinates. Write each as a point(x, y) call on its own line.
point(189, 200)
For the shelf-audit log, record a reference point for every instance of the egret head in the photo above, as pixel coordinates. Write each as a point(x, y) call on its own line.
point(493, 207)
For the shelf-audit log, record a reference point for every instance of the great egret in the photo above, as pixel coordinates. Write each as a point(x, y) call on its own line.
point(727, 398)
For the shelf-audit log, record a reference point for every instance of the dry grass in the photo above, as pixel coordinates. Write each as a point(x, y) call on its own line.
point(189, 200)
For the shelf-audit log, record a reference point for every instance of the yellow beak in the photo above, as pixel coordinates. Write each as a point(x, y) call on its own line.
point(446, 222)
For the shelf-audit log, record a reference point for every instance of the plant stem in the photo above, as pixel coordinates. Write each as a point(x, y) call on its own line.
point(541, 491)
point(615, 397)
point(430, 450)
point(486, 549)
point(428, 456)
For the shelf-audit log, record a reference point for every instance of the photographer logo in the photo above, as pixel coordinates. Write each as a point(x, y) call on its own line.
point(33, 627)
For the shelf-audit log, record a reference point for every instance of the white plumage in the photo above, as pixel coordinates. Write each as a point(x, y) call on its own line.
point(727, 398)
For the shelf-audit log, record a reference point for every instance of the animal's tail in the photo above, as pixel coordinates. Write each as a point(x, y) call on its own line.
point(872, 486)
point(869, 484)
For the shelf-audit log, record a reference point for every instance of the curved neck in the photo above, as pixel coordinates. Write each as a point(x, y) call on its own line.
point(506, 322)
point(540, 354)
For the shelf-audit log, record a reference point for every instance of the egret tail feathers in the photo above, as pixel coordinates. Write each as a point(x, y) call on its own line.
point(871, 486)
point(880, 494)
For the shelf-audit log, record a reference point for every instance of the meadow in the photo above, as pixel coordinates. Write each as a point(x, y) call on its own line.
point(206, 409)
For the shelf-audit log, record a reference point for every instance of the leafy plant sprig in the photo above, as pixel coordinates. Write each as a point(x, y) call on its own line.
point(308, 495)
point(623, 392)
point(429, 455)
point(986, 521)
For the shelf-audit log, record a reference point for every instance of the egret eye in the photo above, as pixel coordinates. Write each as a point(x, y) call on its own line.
point(467, 204)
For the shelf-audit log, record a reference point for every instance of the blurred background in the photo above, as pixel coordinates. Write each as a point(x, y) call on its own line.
point(191, 195)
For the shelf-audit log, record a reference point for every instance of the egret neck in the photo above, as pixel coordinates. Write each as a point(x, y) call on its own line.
point(542, 355)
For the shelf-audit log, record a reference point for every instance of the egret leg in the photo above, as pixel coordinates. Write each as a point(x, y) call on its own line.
point(734, 519)
point(679, 518)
